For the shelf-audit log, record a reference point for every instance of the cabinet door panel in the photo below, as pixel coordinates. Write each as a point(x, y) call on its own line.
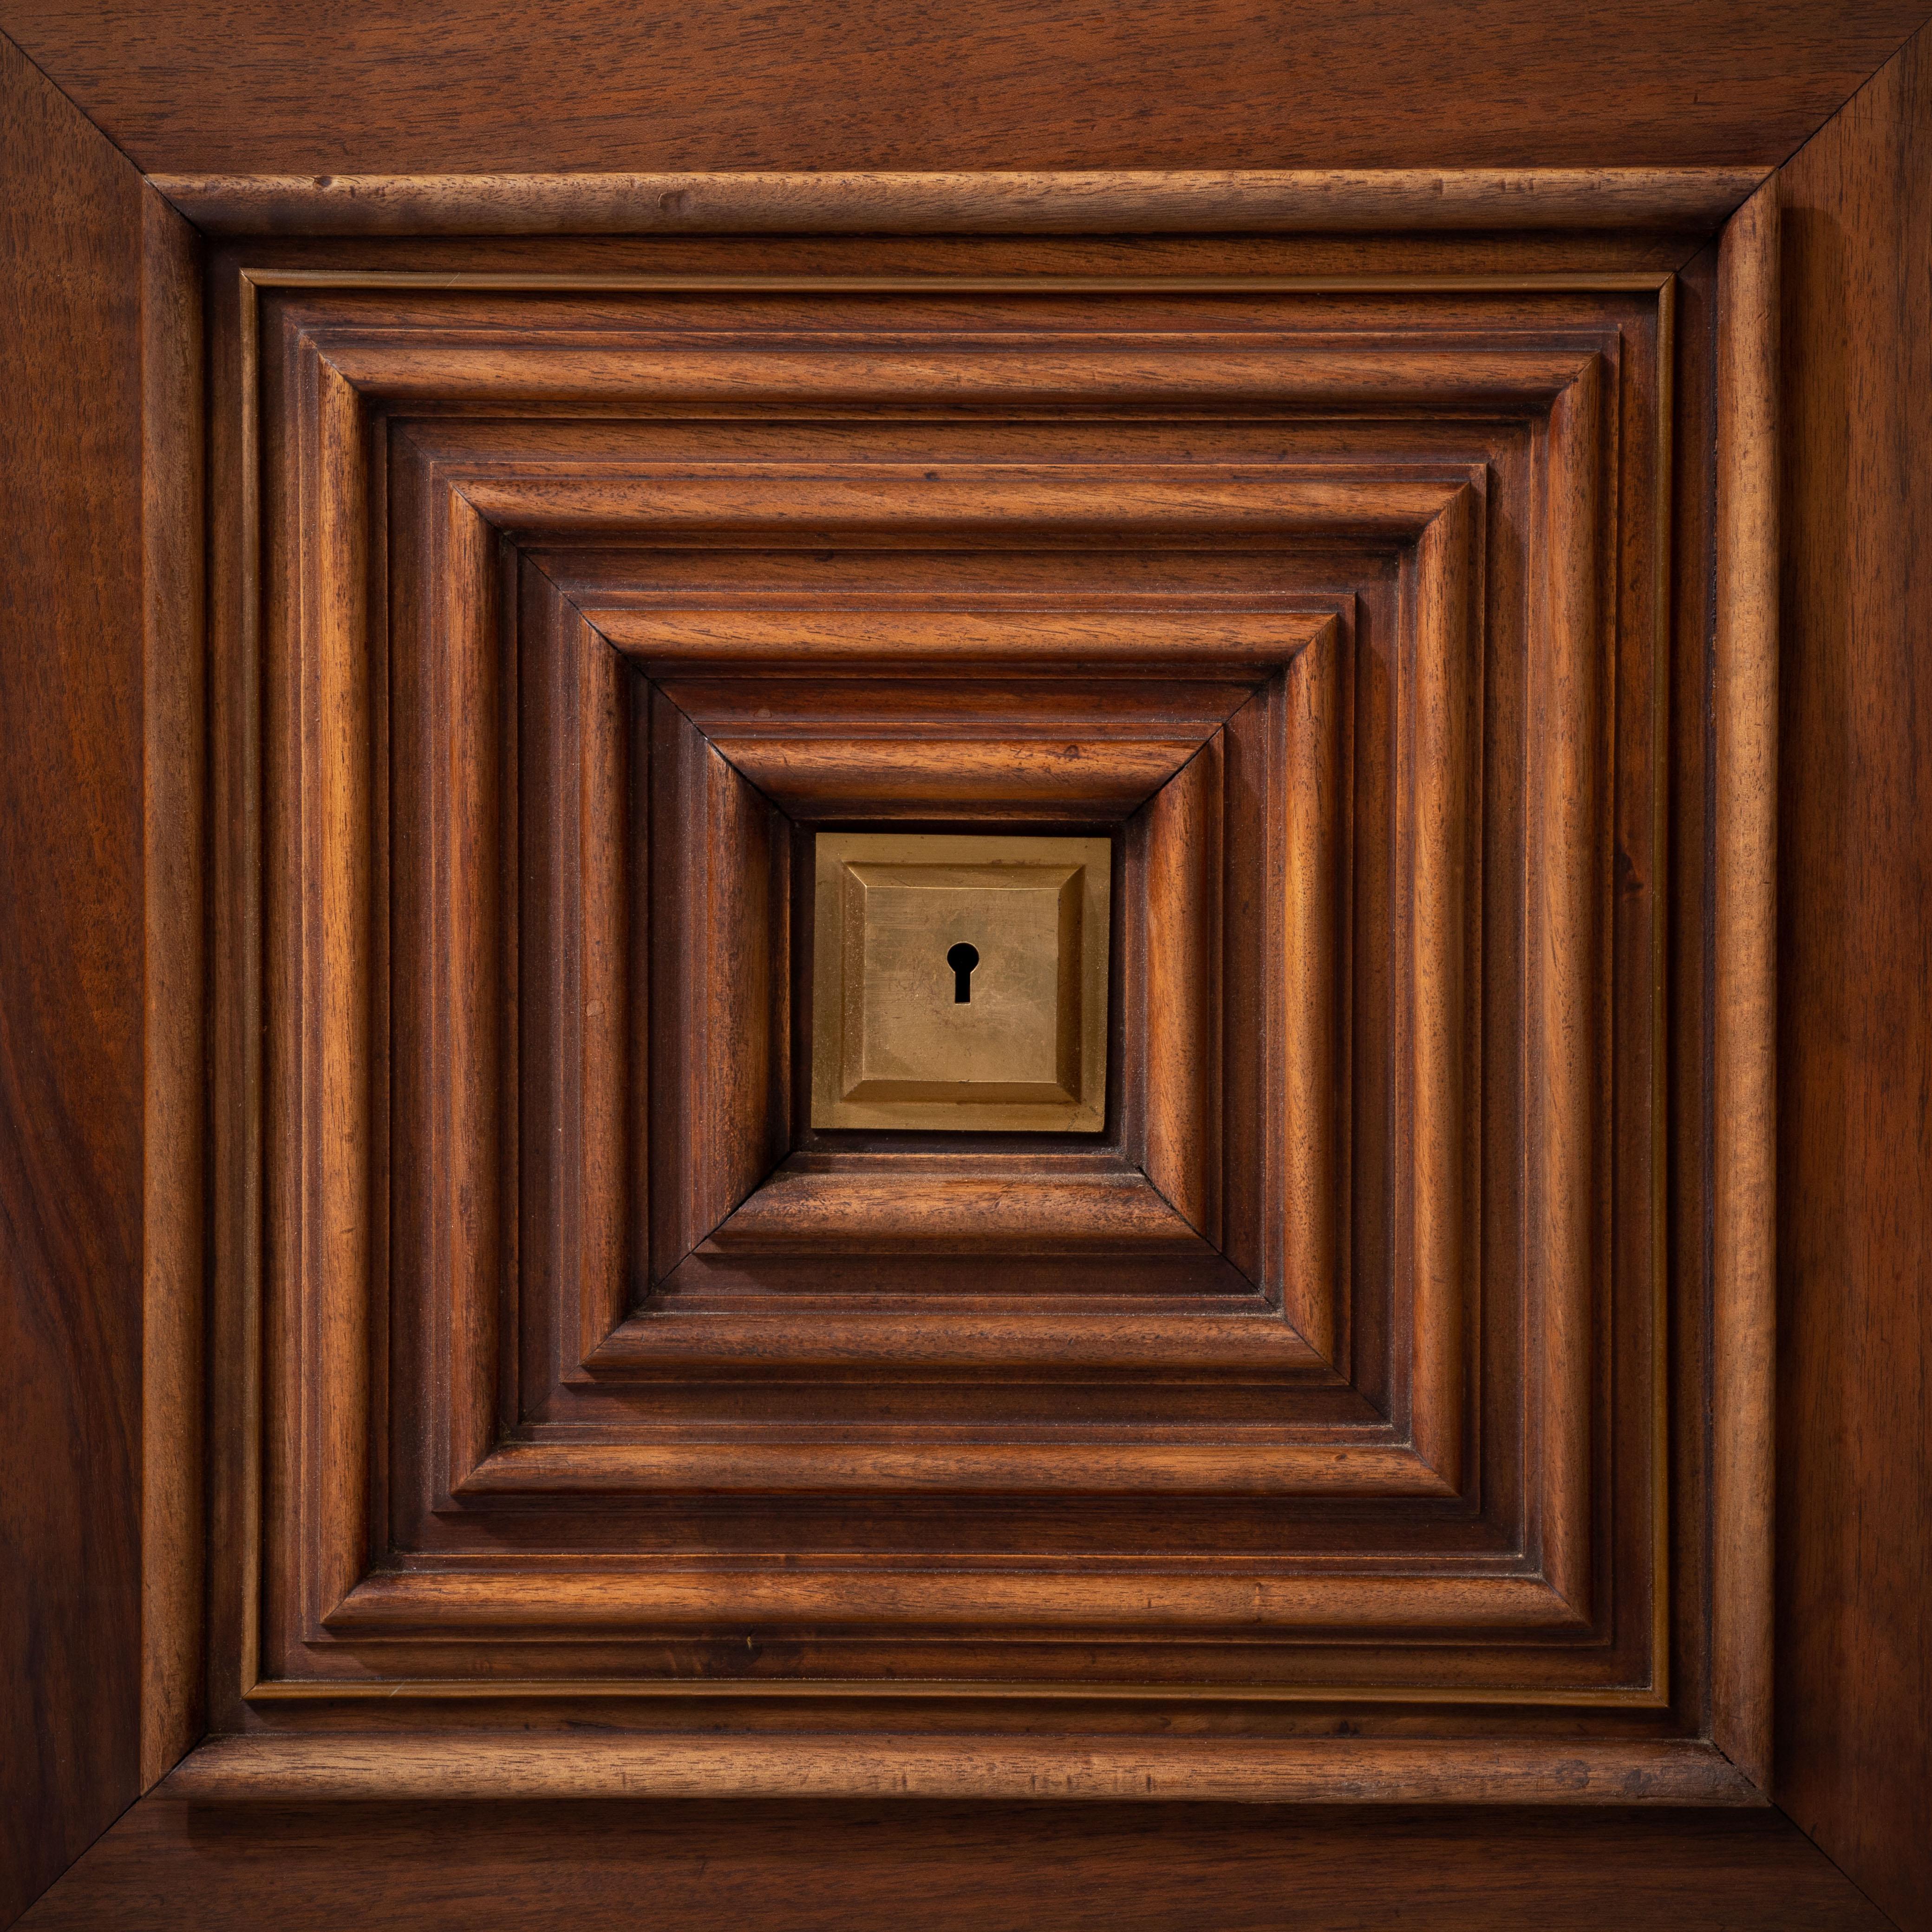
point(1317, 1399)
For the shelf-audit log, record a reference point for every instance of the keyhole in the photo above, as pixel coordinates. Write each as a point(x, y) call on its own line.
point(962, 959)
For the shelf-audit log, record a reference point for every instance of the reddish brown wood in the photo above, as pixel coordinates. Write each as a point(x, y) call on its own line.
point(992, 779)
point(1072, 83)
point(852, 1868)
point(73, 990)
point(1855, 1176)
point(720, 1078)
point(175, 1043)
point(1744, 934)
point(1181, 1048)
point(433, 995)
point(1088, 201)
point(886, 1354)
point(905, 1208)
point(474, 1469)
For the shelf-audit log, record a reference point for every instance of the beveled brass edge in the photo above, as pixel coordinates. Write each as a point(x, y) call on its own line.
point(1085, 1112)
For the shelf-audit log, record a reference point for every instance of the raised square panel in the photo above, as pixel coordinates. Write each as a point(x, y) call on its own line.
point(1324, 1360)
point(960, 983)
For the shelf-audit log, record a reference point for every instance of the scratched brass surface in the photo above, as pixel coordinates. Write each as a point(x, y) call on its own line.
point(893, 1045)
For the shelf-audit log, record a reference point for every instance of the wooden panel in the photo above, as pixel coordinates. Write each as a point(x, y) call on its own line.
point(992, 778)
point(853, 1867)
point(174, 1022)
point(1229, 83)
point(1744, 965)
point(1388, 555)
point(1088, 201)
point(1855, 1174)
point(720, 862)
point(73, 990)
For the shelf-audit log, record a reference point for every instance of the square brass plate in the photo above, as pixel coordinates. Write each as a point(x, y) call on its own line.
point(960, 983)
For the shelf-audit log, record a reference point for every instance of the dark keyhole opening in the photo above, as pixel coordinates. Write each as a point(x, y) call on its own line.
point(962, 959)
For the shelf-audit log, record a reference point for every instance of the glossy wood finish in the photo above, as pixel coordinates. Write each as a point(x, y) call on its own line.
point(596, 86)
point(546, 1321)
point(853, 1868)
point(72, 990)
point(1744, 974)
point(175, 1125)
point(1091, 202)
point(482, 1764)
point(335, 721)
point(1855, 1462)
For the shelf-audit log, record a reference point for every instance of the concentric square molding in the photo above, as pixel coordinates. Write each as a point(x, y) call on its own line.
point(1342, 610)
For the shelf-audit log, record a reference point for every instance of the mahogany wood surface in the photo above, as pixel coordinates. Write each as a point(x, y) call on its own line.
point(243, 87)
point(170, 1866)
point(71, 986)
point(1854, 1185)
point(600, 1445)
point(1744, 975)
point(1090, 201)
point(174, 779)
point(1413, 534)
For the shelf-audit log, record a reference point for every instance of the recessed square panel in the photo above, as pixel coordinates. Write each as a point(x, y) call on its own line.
point(960, 983)
point(1327, 1368)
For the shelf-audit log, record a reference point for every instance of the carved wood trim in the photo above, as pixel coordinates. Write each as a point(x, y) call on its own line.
point(487, 1766)
point(470, 1469)
point(1088, 202)
point(1744, 683)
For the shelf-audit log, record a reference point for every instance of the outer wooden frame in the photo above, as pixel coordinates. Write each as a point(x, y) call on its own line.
point(1741, 967)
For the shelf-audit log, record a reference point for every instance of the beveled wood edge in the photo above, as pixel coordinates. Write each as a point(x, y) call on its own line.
point(1563, 1111)
point(815, 1212)
point(1442, 802)
point(173, 1128)
point(1177, 1010)
point(1058, 1337)
point(295, 1769)
point(1589, 281)
point(991, 202)
point(1352, 1463)
point(257, 276)
point(660, 1690)
point(1744, 1017)
point(1078, 774)
point(992, 1596)
point(693, 640)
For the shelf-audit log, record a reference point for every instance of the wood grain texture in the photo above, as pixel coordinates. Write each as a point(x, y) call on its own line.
point(73, 988)
point(1066, 84)
point(170, 1866)
point(1290, 493)
point(175, 1109)
point(1743, 703)
point(229, 1769)
point(1181, 1048)
point(1090, 202)
point(1855, 942)
point(720, 861)
point(900, 1213)
point(990, 777)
